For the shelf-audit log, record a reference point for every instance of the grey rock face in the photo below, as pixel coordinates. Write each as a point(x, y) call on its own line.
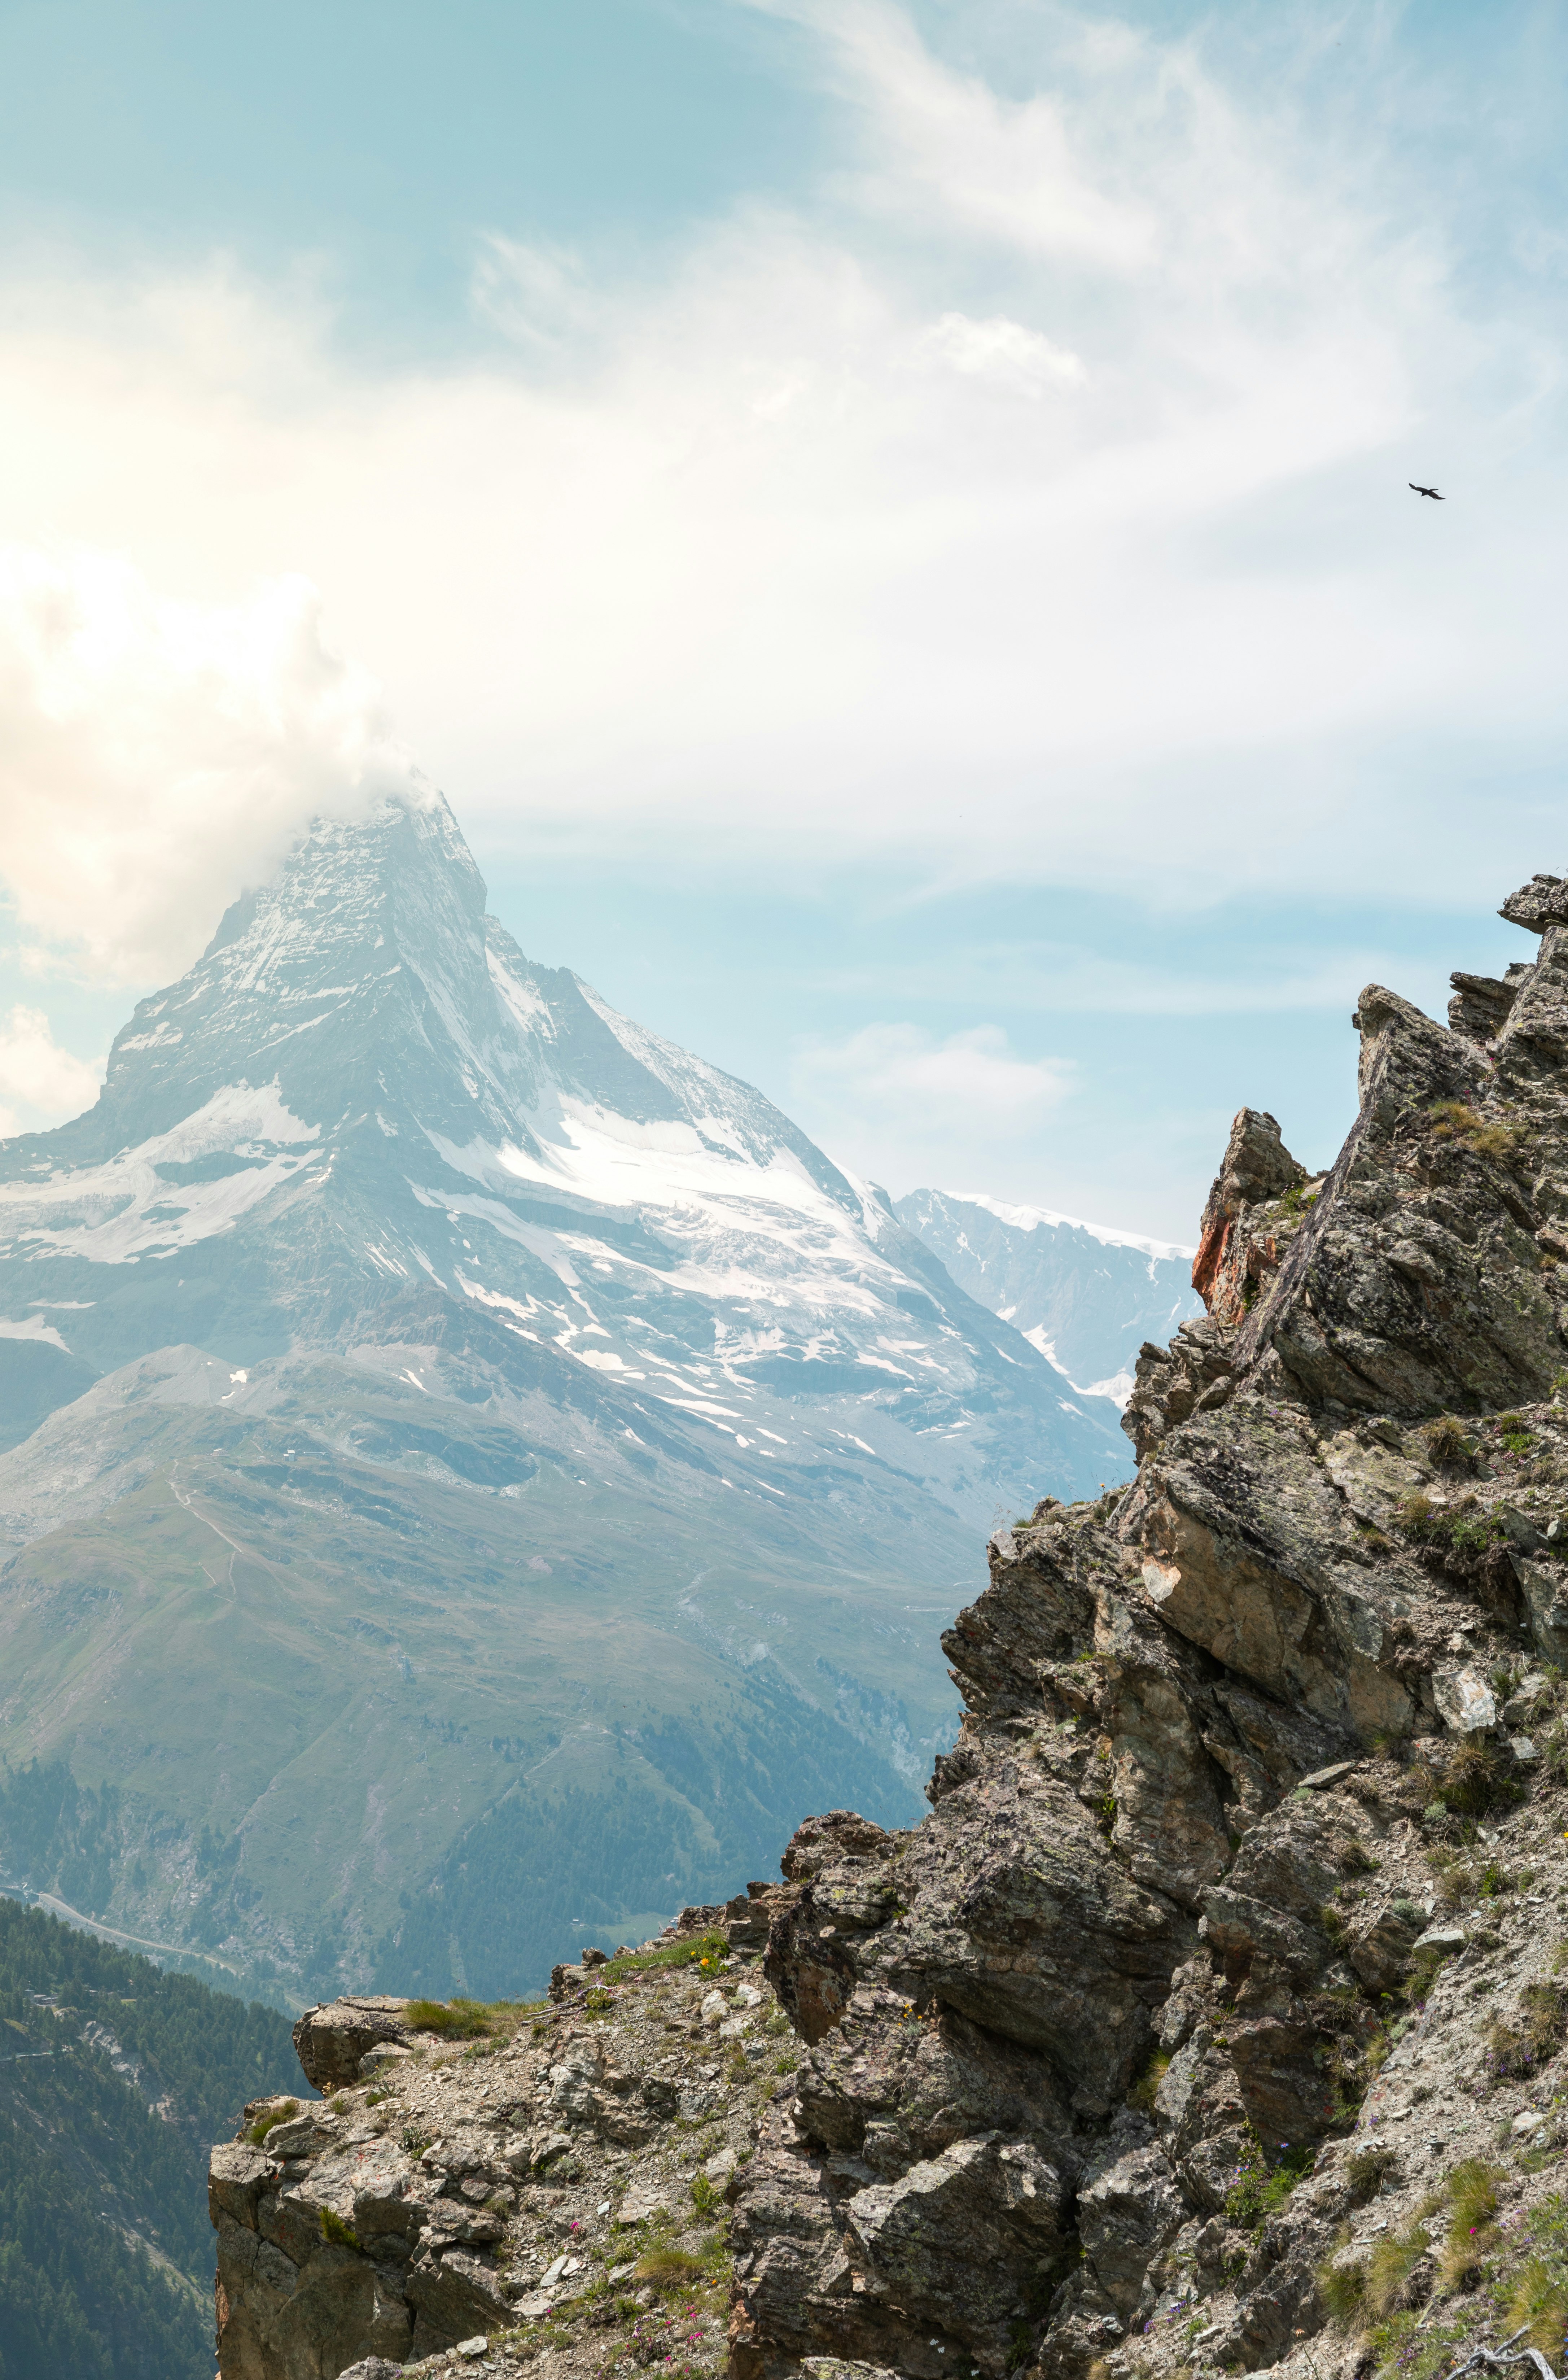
point(332, 2042)
point(1177, 1859)
point(449, 2202)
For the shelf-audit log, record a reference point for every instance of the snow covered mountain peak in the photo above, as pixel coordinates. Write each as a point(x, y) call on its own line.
point(509, 1393)
point(364, 1082)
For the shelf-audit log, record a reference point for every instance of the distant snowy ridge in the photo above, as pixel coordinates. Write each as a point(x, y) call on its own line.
point(1084, 1296)
point(1118, 1387)
point(1029, 1219)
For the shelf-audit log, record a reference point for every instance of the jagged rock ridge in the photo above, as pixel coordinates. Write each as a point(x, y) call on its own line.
point(1217, 1730)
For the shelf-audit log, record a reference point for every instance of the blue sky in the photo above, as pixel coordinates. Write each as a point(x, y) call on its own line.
point(888, 524)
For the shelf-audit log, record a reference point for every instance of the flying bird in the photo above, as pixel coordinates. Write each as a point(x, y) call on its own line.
point(1427, 492)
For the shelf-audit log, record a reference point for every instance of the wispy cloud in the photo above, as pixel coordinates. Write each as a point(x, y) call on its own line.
point(897, 1100)
point(1029, 501)
point(39, 1083)
point(1001, 351)
point(1064, 979)
point(1013, 172)
point(156, 757)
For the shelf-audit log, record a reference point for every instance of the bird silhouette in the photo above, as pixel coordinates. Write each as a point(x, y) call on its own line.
point(1427, 492)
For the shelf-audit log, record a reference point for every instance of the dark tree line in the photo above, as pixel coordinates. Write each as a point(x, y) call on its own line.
point(95, 2161)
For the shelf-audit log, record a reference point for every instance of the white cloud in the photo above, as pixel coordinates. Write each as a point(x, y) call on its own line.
point(1064, 979)
point(1002, 351)
point(155, 757)
point(539, 296)
point(784, 562)
point(897, 1103)
point(1006, 171)
point(39, 1083)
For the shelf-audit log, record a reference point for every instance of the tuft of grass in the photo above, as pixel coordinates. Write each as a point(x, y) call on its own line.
point(1472, 2190)
point(282, 2114)
point(1523, 2044)
point(489, 2021)
point(333, 2228)
point(669, 2268)
point(452, 2019)
point(1343, 2289)
point(1452, 1120)
point(1367, 2171)
point(1390, 2266)
point(1449, 1444)
point(701, 1950)
point(1142, 2091)
point(1479, 1779)
point(1539, 2304)
point(1454, 1877)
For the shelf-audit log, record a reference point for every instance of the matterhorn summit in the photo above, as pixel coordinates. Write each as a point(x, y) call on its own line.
point(436, 1403)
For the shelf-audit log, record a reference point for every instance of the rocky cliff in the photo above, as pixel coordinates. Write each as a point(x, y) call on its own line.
point(547, 2179)
point(1211, 2019)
